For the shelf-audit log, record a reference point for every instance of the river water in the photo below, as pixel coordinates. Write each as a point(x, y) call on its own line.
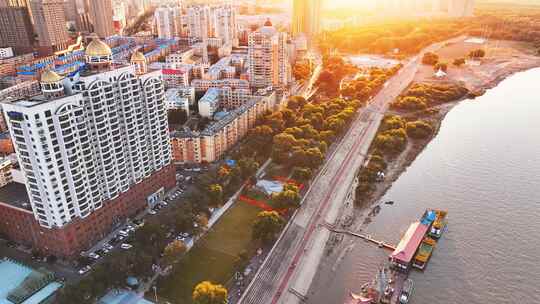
point(484, 168)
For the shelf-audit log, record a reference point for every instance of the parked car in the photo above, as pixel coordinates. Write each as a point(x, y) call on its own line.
point(125, 246)
point(123, 233)
point(152, 212)
point(130, 228)
point(108, 246)
point(94, 255)
point(85, 269)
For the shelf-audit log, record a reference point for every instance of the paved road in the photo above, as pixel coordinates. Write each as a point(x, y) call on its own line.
point(288, 271)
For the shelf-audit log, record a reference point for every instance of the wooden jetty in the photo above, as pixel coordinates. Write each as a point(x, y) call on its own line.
point(366, 237)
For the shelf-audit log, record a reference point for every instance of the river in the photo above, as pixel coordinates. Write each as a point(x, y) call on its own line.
point(484, 168)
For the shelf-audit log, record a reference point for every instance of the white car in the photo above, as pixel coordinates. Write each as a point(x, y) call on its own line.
point(123, 233)
point(94, 256)
point(85, 269)
point(108, 247)
point(152, 212)
point(125, 246)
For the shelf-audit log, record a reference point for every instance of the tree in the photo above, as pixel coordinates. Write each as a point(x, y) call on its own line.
point(301, 71)
point(443, 66)
point(150, 238)
point(459, 62)
point(430, 58)
point(208, 293)
point(173, 251)
point(288, 198)
point(267, 225)
point(409, 103)
point(478, 53)
point(248, 167)
point(302, 174)
point(215, 193)
point(419, 129)
point(224, 173)
point(296, 102)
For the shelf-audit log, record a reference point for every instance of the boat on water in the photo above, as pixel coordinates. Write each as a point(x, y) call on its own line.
point(438, 225)
point(424, 253)
point(406, 292)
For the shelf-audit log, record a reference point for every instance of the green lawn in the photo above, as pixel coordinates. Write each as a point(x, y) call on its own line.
point(214, 257)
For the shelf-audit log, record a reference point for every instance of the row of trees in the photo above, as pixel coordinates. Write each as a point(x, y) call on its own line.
point(391, 140)
point(421, 96)
point(365, 86)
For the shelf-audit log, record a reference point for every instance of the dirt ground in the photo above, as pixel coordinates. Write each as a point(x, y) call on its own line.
point(502, 59)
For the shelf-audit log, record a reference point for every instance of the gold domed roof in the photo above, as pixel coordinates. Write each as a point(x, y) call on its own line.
point(50, 77)
point(137, 57)
point(98, 48)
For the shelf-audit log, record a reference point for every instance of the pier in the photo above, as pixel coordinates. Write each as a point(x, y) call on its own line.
point(365, 237)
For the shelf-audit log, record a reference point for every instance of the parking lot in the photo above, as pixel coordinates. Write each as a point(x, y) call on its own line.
point(118, 239)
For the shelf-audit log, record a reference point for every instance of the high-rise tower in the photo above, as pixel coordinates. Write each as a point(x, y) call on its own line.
point(94, 150)
point(49, 22)
point(306, 17)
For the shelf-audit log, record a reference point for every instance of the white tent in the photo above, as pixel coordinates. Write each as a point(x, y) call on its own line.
point(440, 74)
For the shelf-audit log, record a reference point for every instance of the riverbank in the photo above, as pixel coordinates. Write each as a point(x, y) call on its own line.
point(358, 218)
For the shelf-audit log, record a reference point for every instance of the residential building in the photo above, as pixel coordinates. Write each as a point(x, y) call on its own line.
point(101, 16)
point(202, 85)
point(6, 52)
point(217, 138)
point(209, 103)
point(167, 21)
point(268, 61)
point(50, 25)
point(5, 172)
point(16, 27)
point(179, 99)
point(225, 25)
point(94, 151)
point(178, 75)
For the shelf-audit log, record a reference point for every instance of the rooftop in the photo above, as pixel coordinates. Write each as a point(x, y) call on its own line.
point(409, 243)
point(15, 194)
point(20, 281)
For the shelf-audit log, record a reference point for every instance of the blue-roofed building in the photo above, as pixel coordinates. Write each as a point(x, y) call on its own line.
point(20, 284)
point(118, 296)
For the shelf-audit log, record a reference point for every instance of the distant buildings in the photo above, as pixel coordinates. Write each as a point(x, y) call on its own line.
point(168, 22)
point(306, 17)
point(441, 8)
point(49, 24)
point(179, 99)
point(15, 26)
point(101, 16)
point(268, 60)
point(94, 150)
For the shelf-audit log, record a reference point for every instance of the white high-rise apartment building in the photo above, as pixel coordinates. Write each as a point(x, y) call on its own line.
point(168, 22)
point(225, 25)
point(267, 56)
point(198, 19)
point(164, 22)
point(87, 141)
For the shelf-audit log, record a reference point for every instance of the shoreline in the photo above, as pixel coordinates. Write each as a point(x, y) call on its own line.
point(338, 246)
